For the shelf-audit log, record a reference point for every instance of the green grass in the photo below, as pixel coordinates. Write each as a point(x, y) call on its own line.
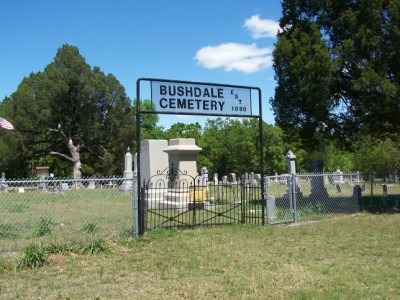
point(34, 216)
point(353, 257)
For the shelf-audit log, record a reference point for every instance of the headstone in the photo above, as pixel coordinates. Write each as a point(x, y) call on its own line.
point(64, 187)
point(257, 179)
point(276, 177)
point(91, 185)
point(232, 178)
point(338, 177)
point(19, 190)
point(127, 185)
point(42, 186)
point(204, 176)
point(291, 162)
point(357, 193)
point(385, 190)
point(251, 178)
point(215, 179)
point(135, 165)
point(318, 190)
point(3, 186)
point(224, 180)
point(363, 188)
point(270, 207)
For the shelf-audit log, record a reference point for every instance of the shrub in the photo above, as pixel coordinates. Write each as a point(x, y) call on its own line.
point(33, 256)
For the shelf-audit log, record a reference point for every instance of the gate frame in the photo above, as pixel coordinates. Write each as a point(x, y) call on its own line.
point(139, 212)
point(192, 183)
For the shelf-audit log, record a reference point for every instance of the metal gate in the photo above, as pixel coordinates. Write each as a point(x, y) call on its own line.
point(173, 198)
point(281, 199)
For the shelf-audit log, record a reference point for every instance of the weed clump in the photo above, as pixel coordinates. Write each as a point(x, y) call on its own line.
point(44, 227)
point(33, 256)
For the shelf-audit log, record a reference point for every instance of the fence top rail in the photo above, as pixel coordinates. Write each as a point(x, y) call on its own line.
point(330, 174)
point(63, 180)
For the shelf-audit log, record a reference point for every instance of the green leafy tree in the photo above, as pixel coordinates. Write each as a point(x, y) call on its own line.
point(274, 150)
point(377, 155)
point(148, 122)
point(181, 130)
point(337, 68)
point(71, 111)
point(234, 146)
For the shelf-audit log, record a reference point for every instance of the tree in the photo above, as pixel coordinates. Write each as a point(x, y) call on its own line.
point(181, 130)
point(337, 68)
point(148, 122)
point(376, 155)
point(234, 146)
point(302, 97)
point(71, 109)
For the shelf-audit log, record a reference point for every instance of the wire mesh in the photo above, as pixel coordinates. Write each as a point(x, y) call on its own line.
point(63, 210)
point(304, 197)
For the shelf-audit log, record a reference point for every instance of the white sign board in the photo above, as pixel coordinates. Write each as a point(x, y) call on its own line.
point(197, 98)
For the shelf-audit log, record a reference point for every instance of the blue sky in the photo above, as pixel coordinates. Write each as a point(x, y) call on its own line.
point(220, 41)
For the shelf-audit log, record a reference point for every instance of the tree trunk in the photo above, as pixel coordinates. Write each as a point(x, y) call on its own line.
point(76, 161)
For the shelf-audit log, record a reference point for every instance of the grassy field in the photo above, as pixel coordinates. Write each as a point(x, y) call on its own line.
point(36, 216)
point(353, 257)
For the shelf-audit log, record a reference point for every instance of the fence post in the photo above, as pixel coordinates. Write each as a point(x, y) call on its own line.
point(135, 207)
point(372, 189)
point(294, 199)
point(265, 182)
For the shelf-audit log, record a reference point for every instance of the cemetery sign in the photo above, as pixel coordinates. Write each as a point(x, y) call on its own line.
point(184, 97)
point(194, 98)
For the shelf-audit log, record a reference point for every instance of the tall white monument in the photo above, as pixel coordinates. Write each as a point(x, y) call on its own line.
point(153, 160)
point(127, 184)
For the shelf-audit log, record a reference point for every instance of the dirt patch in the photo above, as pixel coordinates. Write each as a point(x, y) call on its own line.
point(58, 259)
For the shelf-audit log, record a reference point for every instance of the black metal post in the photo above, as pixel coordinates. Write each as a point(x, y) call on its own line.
point(140, 213)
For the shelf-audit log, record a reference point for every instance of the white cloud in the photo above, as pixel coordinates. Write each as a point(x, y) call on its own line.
point(235, 57)
point(260, 28)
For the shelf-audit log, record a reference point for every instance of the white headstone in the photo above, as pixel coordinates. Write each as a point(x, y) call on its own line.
point(215, 179)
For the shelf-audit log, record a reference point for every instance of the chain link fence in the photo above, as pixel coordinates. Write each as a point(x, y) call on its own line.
point(305, 197)
point(63, 210)
point(68, 210)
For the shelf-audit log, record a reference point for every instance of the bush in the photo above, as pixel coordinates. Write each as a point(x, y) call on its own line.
point(33, 256)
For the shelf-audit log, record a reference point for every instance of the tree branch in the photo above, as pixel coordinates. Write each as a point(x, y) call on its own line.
point(61, 133)
point(61, 155)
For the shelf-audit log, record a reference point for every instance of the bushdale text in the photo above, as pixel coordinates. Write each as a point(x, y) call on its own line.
point(193, 98)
